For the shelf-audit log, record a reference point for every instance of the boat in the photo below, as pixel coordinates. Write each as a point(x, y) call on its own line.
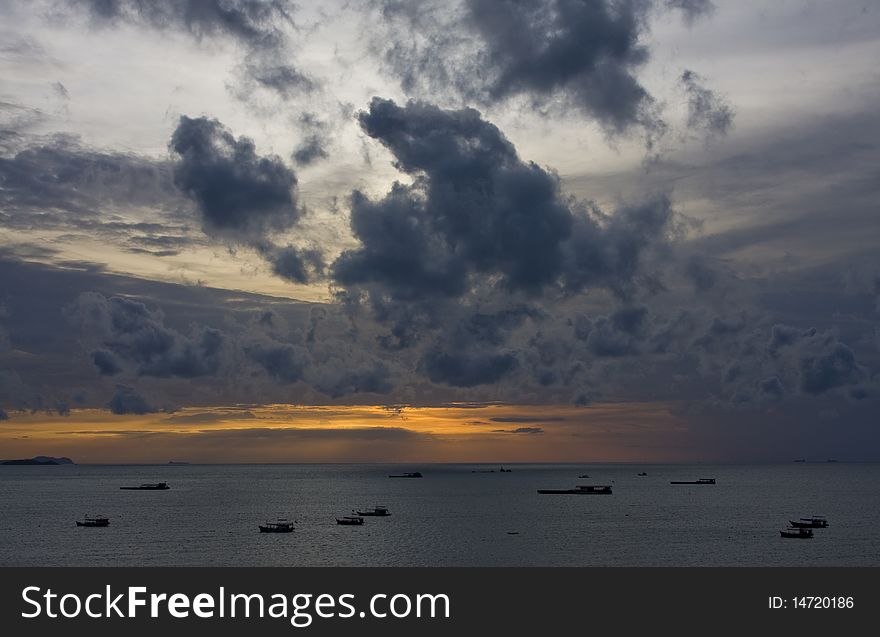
point(281, 525)
point(503, 470)
point(700, 481)
point(641, 473)
point(177, 462)
point(592, 489)
point(412, 474)
point(148, 486)
point(801, 460)
point(377, 511)
point(583, 476)
point(350, 520)
point(98, 520)
point(797, 533)
point(815, 522)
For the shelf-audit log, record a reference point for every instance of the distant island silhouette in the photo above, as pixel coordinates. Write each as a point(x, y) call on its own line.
point(38, 461)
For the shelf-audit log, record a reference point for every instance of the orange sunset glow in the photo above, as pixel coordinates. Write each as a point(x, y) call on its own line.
point(358, 433)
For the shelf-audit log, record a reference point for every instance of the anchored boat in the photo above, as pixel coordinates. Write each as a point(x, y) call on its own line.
point(350, 520)
point(148, 486)
point(815, 522)
point(800, 533)
point(282, 525)
point(700, 481)
point(413, 474)
point(377, 511)
point(98, 520)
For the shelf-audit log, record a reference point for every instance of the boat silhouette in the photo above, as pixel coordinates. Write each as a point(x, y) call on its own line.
point(148, 486)
point(281, 525)
point(377, 511)
point(97, 521)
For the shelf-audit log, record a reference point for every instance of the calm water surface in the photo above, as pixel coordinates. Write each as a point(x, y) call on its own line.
point(451, 517)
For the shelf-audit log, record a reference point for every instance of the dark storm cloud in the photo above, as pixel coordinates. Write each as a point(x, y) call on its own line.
point(460, 369)
point(700, 273)
point(707, 111)
point(397, 251)
point(607, 251)
point(133, 333)
point(622, 333)
point(242, 197)
point(127, 400)
point(584, 54)
point(771, 388)
point(238, 192)
point(106, 362)
point(476, 208)
point(585, 51)
point(337, 379)
point(291, 263)
point(282, 361)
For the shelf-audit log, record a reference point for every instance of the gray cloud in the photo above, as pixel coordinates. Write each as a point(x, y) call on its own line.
point(707, 111)
point(131, 332)
point(238, 192)
point(60, 183)
point(692, 10)
point(242, 197)
point(261, 27)
point(467, 369)
point(477, 209)
point(584, 54)
point(284, 362)
point(106, 362)
point(336, 378)
point(127, 401)
point(256, 23)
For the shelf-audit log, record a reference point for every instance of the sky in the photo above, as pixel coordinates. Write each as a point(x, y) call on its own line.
point(473, 231)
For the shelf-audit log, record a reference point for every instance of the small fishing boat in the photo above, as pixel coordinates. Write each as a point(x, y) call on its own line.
point(281, 525)
point(583, 476)
point(641, 473)
point(350, 520)
point(815, 522)
point(148, 486)
point(412, 474)
point(700, 481)
point(377, 511)
point(797, 533)
point(503, 470)
point(592, 489)
point(98, 520)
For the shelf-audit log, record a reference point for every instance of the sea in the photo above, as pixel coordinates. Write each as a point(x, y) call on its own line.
point(456, 515)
